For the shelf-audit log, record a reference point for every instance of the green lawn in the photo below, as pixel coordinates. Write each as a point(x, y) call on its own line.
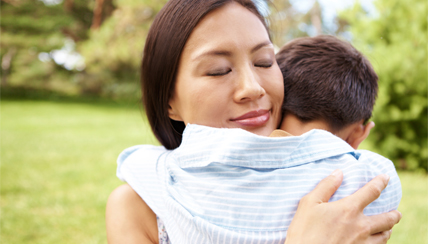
point(58, 164)
point(58, 168)
point(413, 227)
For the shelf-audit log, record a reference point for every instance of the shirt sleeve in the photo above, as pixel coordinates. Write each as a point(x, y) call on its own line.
point(138, 166)
point(391, 195)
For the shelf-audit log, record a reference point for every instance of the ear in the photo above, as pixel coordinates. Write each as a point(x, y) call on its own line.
point(172, 112)
point(359, 134)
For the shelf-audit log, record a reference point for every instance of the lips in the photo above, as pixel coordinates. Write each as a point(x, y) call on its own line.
point(253, 118)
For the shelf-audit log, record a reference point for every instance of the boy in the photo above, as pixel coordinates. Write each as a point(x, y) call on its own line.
point(230, 184)
point(328, 85)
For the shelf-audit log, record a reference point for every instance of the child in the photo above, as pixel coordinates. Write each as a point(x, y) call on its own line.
point(247, 187)
point(328, 85)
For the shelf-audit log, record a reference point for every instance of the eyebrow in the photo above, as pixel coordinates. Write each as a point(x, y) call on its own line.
point(228, 53)
point(260, 45)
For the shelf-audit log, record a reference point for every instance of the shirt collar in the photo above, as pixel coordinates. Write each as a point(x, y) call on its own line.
point(202, 145)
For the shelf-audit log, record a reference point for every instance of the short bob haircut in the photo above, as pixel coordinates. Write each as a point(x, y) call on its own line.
point(327, 79)
point(165, 41)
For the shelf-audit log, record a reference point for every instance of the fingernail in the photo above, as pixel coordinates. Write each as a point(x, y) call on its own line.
point(385, 177)
point(336, 172)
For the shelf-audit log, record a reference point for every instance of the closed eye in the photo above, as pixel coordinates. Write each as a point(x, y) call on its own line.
point(264, 64)
point(219, 72)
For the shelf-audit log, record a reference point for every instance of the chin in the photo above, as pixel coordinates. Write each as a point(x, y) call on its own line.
point(262, 131)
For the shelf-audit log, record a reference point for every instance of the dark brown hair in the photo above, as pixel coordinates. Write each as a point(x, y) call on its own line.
point(164, 44)
point(327, 79)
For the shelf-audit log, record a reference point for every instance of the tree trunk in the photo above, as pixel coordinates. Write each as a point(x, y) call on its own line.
point(98, 14)
point(5, 65)
point(68, 5)
point(316, 18)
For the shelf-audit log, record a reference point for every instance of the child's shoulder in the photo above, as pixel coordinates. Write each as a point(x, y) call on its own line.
point(377, 164)
point(374, 159)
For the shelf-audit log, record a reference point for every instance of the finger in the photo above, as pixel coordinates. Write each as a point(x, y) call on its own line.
point(327, 187)
point(383, 222)
point(370, 192)
point(380, 238)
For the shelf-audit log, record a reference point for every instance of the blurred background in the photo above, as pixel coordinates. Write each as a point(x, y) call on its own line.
point(70, 103)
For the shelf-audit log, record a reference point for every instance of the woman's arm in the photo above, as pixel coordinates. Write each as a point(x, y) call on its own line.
point(343, 221)
point(129, 219)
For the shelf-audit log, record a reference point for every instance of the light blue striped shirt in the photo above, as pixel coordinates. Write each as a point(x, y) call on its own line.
point(232, 186)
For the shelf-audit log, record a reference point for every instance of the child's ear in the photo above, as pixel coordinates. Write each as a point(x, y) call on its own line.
point(172, 113)
point(359, 134)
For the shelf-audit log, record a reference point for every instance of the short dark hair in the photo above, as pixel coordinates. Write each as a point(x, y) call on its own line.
point(327, 79)
point(165, 41)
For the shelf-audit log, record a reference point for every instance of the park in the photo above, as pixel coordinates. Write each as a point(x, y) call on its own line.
point(71, 102)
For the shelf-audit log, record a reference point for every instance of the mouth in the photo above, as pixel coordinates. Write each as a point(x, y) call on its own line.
point(253, 118)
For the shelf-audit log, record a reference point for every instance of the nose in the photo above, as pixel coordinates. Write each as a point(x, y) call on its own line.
point(248, 87)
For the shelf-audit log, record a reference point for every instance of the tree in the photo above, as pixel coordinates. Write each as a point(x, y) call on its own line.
point(284, 22)
point(114, 50)
point(26, 31)
point(32, 29)
point(287, 23)
point(395, 41)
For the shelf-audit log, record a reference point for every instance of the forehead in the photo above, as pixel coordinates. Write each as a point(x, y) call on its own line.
point(229, 27)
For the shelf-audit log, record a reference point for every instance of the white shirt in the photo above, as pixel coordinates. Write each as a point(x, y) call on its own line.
point(232, 186)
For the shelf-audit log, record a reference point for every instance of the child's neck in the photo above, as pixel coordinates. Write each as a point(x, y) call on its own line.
point(353, 134)
point(295, 126)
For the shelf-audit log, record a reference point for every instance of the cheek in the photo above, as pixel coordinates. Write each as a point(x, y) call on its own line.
point(280, 91)
point(206, 105)
point(275, 85)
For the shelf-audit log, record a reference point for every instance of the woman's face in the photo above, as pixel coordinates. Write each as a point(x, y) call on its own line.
point(228, 76)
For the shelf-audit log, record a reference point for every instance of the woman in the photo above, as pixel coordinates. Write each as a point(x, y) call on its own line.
point(212, 63)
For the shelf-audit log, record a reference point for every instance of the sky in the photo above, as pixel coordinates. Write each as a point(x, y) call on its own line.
point(330, 8)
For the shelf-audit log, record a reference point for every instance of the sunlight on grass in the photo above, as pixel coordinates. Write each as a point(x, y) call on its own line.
point(58, 168)
point(58, 163)
point(413, 227)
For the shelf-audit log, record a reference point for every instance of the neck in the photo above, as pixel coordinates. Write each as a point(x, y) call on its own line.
point(295, 126)
point(353, 134)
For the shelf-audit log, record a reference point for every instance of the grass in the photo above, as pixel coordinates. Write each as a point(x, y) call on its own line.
point(58, 168)
point(413, 227)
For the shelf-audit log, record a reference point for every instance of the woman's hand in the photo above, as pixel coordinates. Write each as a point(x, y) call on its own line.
point(343, 221)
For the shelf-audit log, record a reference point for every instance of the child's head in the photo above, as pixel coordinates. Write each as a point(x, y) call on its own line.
point(328, 85)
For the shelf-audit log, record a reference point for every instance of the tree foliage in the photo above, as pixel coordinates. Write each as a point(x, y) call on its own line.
point(31, 27)
point(287, 23)
point(110, 35)
point(395, 41)
point(113, 52)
